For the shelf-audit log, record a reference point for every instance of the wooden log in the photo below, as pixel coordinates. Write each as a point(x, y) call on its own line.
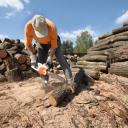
point(101, 52)
point(9, 63)
point(125, 24)
point(99, 66)
point(2, 78)
point(3, 53)
point(107, 46)
point(13, 75)
point(23, 67)
point(58, 95)
point(2, 68)
point(117, 37)
point(120, 30)
point(121, 54)
point(1, 61)
point(94, 58)
point(104, 36)
point(81, 78)
point(20, 58)
point(119, 68)
point(93, 73)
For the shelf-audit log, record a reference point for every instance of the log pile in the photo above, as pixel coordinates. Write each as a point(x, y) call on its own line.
point(13, 60)
point(112, 50)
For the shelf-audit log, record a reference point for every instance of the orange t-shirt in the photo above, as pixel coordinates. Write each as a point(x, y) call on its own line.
point(51, 38)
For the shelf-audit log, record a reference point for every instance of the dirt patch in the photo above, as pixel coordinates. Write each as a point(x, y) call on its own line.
point(105, 104)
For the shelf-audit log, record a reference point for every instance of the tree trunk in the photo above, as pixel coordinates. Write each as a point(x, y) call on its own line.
point(13, 75)
point(119, 68)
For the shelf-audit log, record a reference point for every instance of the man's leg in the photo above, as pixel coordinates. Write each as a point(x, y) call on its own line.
point(42, 54)
point(63, 62)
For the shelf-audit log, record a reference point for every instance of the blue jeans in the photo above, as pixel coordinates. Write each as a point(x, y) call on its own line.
point(42, 54)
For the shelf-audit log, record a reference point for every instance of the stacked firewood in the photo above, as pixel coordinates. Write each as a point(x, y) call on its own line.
point(109, 54)
point(13, 60)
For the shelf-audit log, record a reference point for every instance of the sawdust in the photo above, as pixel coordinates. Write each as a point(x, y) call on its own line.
point(103, 105)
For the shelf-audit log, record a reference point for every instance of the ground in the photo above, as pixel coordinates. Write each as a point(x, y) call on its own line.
point(102, 105)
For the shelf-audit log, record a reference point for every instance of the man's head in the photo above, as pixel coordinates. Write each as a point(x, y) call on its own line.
point(40, 26)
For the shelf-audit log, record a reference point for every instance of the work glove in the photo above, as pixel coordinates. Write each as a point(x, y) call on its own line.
point(33, 58)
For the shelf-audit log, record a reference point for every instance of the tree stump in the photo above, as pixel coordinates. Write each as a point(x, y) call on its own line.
point(13, 75)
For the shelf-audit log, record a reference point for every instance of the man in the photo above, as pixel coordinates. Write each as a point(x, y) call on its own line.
point(48, 42)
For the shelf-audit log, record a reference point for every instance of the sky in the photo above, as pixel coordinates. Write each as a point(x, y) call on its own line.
point(70, 16)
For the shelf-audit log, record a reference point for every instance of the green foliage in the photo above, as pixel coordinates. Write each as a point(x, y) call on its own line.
point(67, 46)
point(83, 42)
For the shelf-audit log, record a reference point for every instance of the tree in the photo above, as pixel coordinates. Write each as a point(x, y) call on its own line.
point(83, 42)
point(67, 46)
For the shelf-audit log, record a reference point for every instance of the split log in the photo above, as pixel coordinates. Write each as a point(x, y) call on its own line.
point(97, 58)
point(120, 30)
point(20, 58)
point(3, 53)
point(13, 75)
point(2, 78)
point(119, 68)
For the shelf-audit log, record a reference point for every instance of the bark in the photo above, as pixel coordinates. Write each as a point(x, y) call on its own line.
point(121, 54)
point(119, 68)
point(97, 52)
point(13, 75)
point(96, 58)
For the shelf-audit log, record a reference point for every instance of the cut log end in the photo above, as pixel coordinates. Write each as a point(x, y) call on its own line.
point(53, 101)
